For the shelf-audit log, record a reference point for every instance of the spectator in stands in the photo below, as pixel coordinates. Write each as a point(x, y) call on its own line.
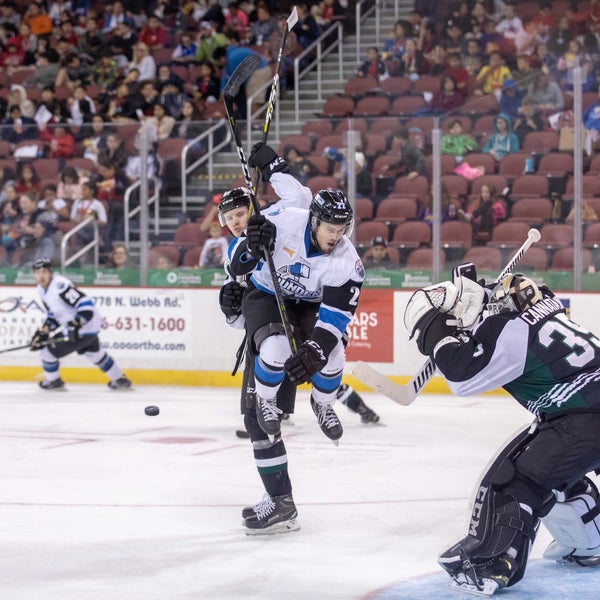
point(448, 99)
point(50, 109)
point(12, 55)
point(58, 207)
point(510, 26)
point(374, 66)
point(575, 57)
point(113, 149)
point(105, 72)
point(425, 208)
point(154, 35)
point(214, 250)
point(70, 184)
point(460, 16)
point(7, 177)
point(394, 46)
point(412, 160)
point(81, 107)
point(545, 94)
point(524, 74)
point(591, 120)
point(11, 213)
point(455, 69)
point(60, 140)
point(185, 52)
point(457, 143)
point(188, 126)
point(162, 122)
point(91, 43)
point(18, 96)
point(208, 84)
point(111, 185)
point(300, 167)
point(28, 180)
point(472, 59)
point(377, 256)
point(119, 258)
point(16, 127)
point(39, 243)
point(208, 41)
point(484, 213)
point(9, 14)
point(339, 157)
point(122, 42)
point(20, 232)
point(560, 37)
point(306, 29)
point(47, 67)
point(528, 120)
point(491, 77)
point(37, 19)
point(114, 13)
point(237, 20)
point(479, 18)
point(143, 61)
point(503, 141)
point(27, 43)
point(454, 40)
point(88, 206)
point(73, 72)
point(412, 63)
point(264, 25)
point(511, 98)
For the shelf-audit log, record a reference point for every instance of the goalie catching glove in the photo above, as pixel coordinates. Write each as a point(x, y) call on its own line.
point(260, 236)
point(309, 359)
point(267, 161)
point(435, 315)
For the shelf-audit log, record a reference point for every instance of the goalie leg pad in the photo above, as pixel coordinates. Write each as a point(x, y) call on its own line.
point(575, 525)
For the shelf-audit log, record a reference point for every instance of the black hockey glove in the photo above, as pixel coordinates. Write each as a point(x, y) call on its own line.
point(267, 161)
point(260, 236)
point(309, 359)
point(73, 330)
point(39, 339)
point(230, 299)
point(431, 329)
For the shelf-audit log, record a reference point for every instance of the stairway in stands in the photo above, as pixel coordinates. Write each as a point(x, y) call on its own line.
point(228, 165)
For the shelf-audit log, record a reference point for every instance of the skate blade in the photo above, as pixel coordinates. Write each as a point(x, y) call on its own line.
point(286, 527)
point(489, 587)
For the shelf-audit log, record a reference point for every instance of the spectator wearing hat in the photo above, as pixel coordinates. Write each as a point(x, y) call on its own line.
point(18, 95)
point(377, 256)
point(511, 98)
point(208, 41)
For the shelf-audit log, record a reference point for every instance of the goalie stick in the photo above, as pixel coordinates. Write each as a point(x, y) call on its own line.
point(405, 394)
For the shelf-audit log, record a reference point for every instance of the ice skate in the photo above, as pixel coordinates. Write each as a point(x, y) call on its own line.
point(484, 579)
point(367, 415)
point(268, 415)
point(347, 396)
point(272, 515)
point(328, 420)
point(252, 511)
point(120, 384)
point(57, 385)
point(585, 557)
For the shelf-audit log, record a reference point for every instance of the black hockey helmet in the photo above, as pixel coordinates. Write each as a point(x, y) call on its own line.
point(41, 263)
point(231, 199)
point(331, 206)
point(516, 292)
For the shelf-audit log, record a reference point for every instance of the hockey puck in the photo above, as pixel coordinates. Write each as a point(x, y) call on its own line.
point(152, 411)
point(242, 434)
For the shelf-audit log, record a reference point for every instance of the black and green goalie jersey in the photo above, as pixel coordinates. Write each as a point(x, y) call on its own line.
point(548, 363)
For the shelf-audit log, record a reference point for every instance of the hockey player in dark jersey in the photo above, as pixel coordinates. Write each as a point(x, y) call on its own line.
point(276, 513)
point(517, 336)
point(71, 311)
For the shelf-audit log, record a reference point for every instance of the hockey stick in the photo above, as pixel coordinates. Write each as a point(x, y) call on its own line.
point(48, 342)
point(405, 394)
point(230, 91)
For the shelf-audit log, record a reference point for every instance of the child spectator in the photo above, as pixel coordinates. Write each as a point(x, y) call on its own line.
point(214, 250)
point(503, 141)
point(457, 143)
point(484, 213)
point(373, 66)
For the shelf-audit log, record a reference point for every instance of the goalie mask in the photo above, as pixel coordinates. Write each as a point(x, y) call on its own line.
point(515, 293)
point(233, 199)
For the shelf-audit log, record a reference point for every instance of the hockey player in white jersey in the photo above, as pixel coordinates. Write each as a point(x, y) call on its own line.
point(74, 314)
point(516, 335)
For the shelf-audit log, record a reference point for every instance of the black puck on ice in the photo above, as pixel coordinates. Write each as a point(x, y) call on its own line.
point(151, 411)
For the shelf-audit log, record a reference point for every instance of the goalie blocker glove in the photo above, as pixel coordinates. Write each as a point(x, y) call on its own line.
point(309, 359)
point(230, 299)
point(260, 236)
point(267, 161)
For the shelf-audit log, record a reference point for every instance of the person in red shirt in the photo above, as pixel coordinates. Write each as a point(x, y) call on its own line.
point(154, 35)
point(373, 66)
point(59, 140)
point(456, 71)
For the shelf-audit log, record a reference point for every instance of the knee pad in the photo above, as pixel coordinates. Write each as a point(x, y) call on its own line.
point(574, 522)
point(274, 351)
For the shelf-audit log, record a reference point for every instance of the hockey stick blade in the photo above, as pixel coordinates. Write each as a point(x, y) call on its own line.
point(401, 394)
point(239, 76)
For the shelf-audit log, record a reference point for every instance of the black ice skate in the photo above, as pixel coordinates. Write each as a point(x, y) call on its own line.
point(252, 511)
point(120, 384)
point(328, 420)
point(484, 579)
point(347, 396)
point(276, 514)
point(268, 415)
point(56, 385)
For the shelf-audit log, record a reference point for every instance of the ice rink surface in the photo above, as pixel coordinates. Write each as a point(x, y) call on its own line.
point(99, 501)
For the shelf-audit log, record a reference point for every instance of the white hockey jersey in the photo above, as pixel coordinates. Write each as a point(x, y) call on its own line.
point(66, 303)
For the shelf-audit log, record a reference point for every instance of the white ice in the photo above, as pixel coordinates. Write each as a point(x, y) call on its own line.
point(99, 501)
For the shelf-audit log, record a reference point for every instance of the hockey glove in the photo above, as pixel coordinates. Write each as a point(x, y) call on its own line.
point(431, 329)
point(309, 359)
point(260, 236)
point(39, 339)
point(230, 299)
point(73, 330)
point(267, 161)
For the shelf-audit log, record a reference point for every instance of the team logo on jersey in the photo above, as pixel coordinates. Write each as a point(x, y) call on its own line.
point(359, 268)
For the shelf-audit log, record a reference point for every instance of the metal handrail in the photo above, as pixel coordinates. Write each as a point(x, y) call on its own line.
point(134, 211)
point(208, 157)
point(317, 61)
point(361, 16)
point(95, 243)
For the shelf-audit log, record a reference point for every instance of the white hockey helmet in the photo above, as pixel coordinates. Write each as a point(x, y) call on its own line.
point(515, 293)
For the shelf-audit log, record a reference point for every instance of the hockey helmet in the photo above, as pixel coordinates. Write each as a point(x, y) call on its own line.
point(41, 263)
point(231, 199)
point(515, 293)
point(331, 206)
